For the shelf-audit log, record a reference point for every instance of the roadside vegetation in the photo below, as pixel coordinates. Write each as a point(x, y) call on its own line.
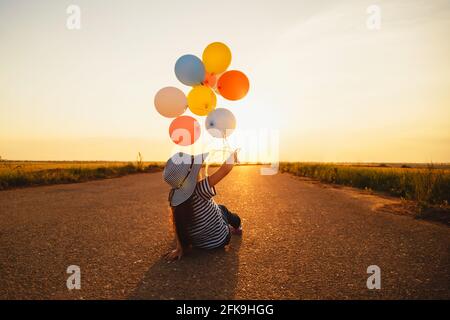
point(429, 185)
point(17, 174)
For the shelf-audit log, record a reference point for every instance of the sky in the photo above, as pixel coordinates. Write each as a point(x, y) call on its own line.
point(324, 86)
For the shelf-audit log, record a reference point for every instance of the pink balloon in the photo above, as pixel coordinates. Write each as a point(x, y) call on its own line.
point(170, 102)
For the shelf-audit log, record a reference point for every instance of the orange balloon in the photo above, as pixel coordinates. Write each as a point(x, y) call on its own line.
point(210, 80)
point(184, 130)
point(233, 85)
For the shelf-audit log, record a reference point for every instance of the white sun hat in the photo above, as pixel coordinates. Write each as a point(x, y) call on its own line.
point(181, 173)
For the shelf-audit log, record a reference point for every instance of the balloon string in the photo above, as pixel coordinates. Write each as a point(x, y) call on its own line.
point(224, 147)
point(227, 145)
point(225, 142)
point(224, 152)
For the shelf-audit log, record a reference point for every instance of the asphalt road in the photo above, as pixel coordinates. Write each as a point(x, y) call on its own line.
point(302, 240)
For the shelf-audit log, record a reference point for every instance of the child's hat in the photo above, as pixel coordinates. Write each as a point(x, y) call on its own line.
point(181, 173)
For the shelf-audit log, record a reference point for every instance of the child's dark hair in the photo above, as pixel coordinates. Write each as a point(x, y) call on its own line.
point(182, 219)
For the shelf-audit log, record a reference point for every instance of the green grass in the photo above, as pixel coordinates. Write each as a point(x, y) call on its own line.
point(426, 185)
point(16, 174)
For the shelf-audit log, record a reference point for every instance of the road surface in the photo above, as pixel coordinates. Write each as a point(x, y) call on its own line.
point(302, 240)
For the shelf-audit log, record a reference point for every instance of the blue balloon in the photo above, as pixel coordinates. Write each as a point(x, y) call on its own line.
point(190, 70)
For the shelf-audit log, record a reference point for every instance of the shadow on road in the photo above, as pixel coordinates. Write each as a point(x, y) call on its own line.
point(202, 274)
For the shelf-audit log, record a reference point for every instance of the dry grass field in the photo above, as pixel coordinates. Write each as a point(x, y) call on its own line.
point(427, 184)
point(16, 174)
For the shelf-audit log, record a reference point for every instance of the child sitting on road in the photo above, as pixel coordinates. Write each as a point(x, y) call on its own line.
point(198, 221)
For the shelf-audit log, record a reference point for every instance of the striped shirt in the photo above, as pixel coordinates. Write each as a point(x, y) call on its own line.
point(208, 229)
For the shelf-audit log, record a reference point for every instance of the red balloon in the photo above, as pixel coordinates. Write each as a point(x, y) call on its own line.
point(233, 85)
point(210, 80)
point(184, 130)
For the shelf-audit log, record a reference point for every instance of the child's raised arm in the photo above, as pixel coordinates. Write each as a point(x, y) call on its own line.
point(224, 169)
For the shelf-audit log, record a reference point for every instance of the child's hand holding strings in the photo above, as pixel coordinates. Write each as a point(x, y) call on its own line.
point(224, 169)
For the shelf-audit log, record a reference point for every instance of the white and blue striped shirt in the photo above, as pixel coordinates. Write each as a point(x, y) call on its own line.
point(208, 229)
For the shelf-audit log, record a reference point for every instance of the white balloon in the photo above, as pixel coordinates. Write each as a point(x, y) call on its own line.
point(220, 123)
point(170, 102)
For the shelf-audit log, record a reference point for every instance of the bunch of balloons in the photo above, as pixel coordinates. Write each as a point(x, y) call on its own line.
point(207, 77)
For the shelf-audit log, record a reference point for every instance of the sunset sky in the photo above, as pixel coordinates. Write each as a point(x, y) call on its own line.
point(331, 88)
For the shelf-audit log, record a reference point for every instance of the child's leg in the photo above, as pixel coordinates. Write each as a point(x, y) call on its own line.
point(232, 218)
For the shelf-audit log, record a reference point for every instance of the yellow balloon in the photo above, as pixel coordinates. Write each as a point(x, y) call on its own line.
point(216, 57)
point(201, 100)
